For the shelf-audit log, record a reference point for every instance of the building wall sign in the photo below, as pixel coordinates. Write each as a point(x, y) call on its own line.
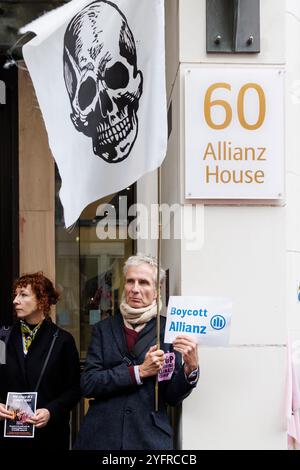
point(234, 133)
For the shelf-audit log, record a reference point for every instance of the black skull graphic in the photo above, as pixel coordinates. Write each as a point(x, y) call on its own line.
point(102, 79)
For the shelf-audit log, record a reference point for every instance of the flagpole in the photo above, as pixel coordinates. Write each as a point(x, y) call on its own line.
point(158, 277)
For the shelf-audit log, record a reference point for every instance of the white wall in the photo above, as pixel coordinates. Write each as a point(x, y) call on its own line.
point(293, 171)
point(147, 195)
point(243, 257)
point(239, 403)
point(250, 253)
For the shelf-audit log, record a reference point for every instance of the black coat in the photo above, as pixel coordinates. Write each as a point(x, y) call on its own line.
point(122, 415)
point(59, 390)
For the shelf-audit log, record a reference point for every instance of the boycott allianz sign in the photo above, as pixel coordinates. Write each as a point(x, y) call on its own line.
point(205, 319)
point(234, 133)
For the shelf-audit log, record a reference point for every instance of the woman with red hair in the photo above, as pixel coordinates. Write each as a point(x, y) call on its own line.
point(39, 357)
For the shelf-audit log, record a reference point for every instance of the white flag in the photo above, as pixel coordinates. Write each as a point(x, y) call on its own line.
point(98, 69)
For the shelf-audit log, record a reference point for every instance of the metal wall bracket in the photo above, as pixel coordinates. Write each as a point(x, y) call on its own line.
point(233, 26)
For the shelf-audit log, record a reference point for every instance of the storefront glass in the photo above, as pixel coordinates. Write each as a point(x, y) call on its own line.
point(89, 269)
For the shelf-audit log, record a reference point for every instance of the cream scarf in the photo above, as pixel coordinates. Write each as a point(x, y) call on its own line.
point(136, 318)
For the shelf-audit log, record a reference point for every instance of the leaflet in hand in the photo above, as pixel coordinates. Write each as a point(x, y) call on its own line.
point(23, 406)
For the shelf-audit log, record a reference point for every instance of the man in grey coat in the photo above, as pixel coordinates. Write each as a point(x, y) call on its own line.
point(121, 368)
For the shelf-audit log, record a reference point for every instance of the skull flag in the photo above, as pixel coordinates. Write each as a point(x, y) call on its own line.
point(98, 69)
point(105, 95)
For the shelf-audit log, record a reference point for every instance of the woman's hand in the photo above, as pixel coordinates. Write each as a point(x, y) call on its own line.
point(4, 413)
point(40, 418)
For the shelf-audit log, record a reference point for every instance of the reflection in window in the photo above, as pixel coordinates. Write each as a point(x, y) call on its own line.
point(89, 270)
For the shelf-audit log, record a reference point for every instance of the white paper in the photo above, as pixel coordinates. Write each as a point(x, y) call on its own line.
point(206, 320)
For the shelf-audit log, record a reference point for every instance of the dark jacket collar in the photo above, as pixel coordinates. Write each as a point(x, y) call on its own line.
point(40, 343)
point(117, 326)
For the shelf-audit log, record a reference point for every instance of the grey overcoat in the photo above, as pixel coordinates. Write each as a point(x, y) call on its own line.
point(122, 415)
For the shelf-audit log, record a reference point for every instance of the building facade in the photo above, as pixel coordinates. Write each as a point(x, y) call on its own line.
point(248, 251)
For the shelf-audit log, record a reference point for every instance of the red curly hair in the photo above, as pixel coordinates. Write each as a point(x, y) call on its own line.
point(42, 287)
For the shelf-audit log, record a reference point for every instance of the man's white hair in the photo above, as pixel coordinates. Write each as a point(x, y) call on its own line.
point(141, 258)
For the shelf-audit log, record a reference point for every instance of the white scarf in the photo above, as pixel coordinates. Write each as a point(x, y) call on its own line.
point(136, 318)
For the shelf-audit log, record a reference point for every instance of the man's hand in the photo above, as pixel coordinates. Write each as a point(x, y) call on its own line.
point(188, 348)
point(153, 362)
point(40, 418)
point(4, 413)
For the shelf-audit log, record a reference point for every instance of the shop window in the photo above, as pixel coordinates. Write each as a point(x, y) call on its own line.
point(88, 269)
point(9, 189)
